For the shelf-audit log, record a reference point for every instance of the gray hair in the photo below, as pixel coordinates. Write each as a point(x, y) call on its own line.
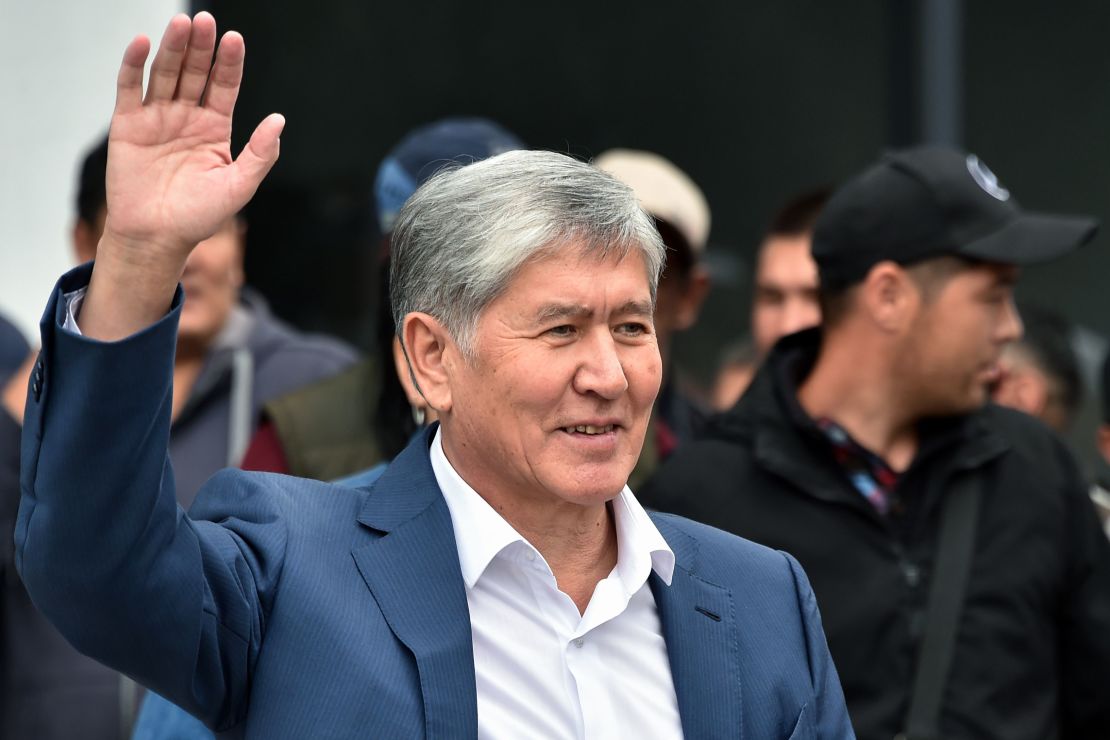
point(462, 236)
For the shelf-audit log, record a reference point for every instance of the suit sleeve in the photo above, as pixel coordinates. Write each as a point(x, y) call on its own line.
point(831, 714)
point(102, 546)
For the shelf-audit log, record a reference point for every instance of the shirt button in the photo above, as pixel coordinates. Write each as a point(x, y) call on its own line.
point(578, 642)
point(531, 555)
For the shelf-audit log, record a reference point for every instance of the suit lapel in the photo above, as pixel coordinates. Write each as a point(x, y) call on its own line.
point(413, 572)
point(699, 627)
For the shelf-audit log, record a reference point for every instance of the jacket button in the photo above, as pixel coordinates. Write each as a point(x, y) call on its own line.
point(912, 574)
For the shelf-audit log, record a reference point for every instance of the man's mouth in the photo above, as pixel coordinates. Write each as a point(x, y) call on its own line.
point(589, 429)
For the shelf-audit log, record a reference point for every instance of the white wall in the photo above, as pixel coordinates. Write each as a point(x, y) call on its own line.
point(58, 63)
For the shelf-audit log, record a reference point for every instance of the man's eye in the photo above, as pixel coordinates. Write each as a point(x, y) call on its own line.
point(769, 297)
point(565, 330)
point(632, 328)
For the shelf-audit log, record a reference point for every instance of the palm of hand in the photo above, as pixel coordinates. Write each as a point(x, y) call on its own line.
point(171, 179)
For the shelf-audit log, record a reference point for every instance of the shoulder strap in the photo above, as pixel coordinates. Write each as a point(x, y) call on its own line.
point(955, 552)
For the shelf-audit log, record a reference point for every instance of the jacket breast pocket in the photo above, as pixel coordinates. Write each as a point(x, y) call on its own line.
point(803, 728)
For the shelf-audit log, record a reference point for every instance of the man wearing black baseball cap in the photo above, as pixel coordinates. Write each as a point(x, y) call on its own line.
point(962, 575)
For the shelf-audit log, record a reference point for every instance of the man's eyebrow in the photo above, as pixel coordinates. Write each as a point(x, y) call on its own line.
point(554, 311)
point(635, 308)
point(558, 311)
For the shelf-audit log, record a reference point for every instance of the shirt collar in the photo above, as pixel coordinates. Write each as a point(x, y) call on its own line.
point(481, 534)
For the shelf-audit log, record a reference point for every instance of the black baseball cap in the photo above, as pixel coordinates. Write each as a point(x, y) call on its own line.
point(926, 202)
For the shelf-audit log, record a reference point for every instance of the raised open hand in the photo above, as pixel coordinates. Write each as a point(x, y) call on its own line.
point(171, 179)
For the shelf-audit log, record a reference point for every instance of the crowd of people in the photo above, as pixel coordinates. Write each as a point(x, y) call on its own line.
point(511, 518)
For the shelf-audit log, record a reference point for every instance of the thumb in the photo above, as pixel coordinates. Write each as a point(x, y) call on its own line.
point(257, 157)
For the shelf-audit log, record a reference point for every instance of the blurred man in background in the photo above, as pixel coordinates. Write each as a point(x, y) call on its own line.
point(1040, 372)
point(960, 568)
point(784, 294)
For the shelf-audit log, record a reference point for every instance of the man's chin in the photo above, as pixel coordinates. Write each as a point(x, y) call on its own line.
point(193, 341)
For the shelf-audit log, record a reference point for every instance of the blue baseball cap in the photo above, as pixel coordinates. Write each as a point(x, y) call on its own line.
point(426, 150)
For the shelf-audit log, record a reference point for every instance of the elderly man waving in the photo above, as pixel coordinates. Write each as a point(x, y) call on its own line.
point(499, 580)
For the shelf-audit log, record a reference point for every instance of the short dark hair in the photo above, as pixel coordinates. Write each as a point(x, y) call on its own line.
point(798, 215)
point(91, 193)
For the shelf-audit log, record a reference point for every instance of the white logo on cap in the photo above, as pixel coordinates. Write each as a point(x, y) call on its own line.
point(986, 179)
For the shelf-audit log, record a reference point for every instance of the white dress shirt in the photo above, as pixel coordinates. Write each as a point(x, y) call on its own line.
point(542, 669)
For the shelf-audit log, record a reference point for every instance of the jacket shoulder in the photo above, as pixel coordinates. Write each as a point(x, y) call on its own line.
point(1032, 443)
point(240, 497)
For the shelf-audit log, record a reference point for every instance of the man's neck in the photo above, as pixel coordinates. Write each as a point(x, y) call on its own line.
point(579, 543)
point(859, 391)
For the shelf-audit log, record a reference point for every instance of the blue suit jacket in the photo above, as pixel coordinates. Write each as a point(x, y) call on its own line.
point(287, 608)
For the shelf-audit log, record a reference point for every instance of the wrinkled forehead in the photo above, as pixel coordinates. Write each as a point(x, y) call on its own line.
point(572, 272)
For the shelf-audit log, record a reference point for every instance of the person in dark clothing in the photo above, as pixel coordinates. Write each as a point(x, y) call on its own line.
point(856, 436)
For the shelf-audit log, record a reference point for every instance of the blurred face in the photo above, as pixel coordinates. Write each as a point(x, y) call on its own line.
point(555, 404)
point(1023, 386)
point(952, 352)
point(212, 279)
point(678, 303)
point(785, 290)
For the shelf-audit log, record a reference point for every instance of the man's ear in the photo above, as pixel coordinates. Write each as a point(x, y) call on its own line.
point(430, 350)
point(890, 296)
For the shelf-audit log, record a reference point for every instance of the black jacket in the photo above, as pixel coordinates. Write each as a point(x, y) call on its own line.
point(1032, 658)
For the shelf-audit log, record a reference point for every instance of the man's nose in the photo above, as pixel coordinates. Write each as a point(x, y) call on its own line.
point(1012, 327)
point(600, 370)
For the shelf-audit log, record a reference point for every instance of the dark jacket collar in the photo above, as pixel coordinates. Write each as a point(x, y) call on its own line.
point(787, 441)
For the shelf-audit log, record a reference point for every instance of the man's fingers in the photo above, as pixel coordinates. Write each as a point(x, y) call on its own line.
point(227, 73)
point(198, 59)
point(166, 67)
point(257, 157)
point(129, 83)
